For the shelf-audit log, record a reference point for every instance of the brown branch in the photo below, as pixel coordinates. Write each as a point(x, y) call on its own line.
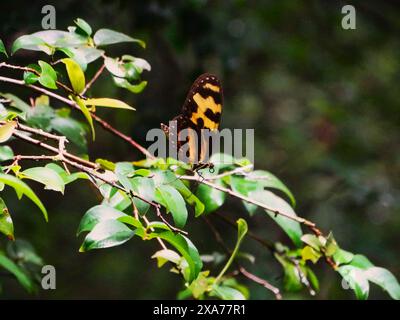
point(252, 201)
point(93, 80)
point(74, 105)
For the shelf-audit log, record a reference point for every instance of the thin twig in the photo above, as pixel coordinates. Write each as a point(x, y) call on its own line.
point(74, 105)
point(93, 80)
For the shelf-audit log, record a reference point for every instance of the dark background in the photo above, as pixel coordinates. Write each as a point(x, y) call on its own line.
point(324, 103)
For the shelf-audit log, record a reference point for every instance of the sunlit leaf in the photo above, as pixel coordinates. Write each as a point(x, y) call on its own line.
point(7, 130)
point(86, 113)
point(227, 293)
point(21, 188)
point(106, 36)
point(75, 75)
point(135, 88)
point(46, 176)
point(48, 76)
point(385, 279)
point(105, 234)
point(173, 201)
point(82, 24)
point(356, 279)
point(291, 227)
point(96, 215)
point(210, 197)
point(108, 102)
point(166, 255)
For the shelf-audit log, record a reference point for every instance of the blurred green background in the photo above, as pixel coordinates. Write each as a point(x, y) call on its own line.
point(323, 101)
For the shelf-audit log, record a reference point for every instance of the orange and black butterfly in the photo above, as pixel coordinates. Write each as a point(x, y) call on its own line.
point(202, 110)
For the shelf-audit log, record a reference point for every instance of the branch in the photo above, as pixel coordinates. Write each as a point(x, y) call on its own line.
point(74, 105)
point(93, 80)
point(252, 201)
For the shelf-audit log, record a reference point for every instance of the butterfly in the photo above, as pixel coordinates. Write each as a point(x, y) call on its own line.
point(202, 110)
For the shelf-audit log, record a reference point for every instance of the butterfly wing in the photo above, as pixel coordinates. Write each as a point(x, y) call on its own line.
point(202, 110)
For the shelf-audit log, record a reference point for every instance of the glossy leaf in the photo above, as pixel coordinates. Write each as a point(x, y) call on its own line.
point(21, 188)
point(30, 42)
point(210, 197)
point(109, 103)
point(385, 279)
point(170, 198)
point(106, 234)
point(65, 176)
point(82, 24)
point(291, 227)
point(47, 76)
point(46, 176)
point(268, 180)
point(96, 215)
point(75, 75)
point(106, 36)
point(72, 129)
point(356, 279)
point(145, 188)
point(166, 255)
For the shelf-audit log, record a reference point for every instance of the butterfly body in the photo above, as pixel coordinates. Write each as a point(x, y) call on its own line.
point(201, 111)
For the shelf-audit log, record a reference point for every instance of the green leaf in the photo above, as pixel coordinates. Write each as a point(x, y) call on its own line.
point(22, 278)
point(342, 256)
point(291, 227)
point(268, 180)
point(106, 164)
point(385, 279)
point(134, 88)
point(6, 223)
point(309, 253)
point(21, 188)
point(7, 130)
point(72, 129)
point(312, 241)
point(23, 252)
point(40, 117)
point(96, 215)
point(361, 261)
point(3, 48)
point(65, 176)
point(114, 198)
point(105, 234)
point(75, 75)
point(106, 36)
point(108, 102)
point(227, 293)
point(210, 197)
point(356, 279)
point(169, 178)
point(244, 187)
point(185, 247)
point(165, 255)
point(46, 176)
point(145, 188)
point(48, 76)
point(30, 42)
point(6, 153)
point(171, 199)
point(84, 26)
point(86, 113)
